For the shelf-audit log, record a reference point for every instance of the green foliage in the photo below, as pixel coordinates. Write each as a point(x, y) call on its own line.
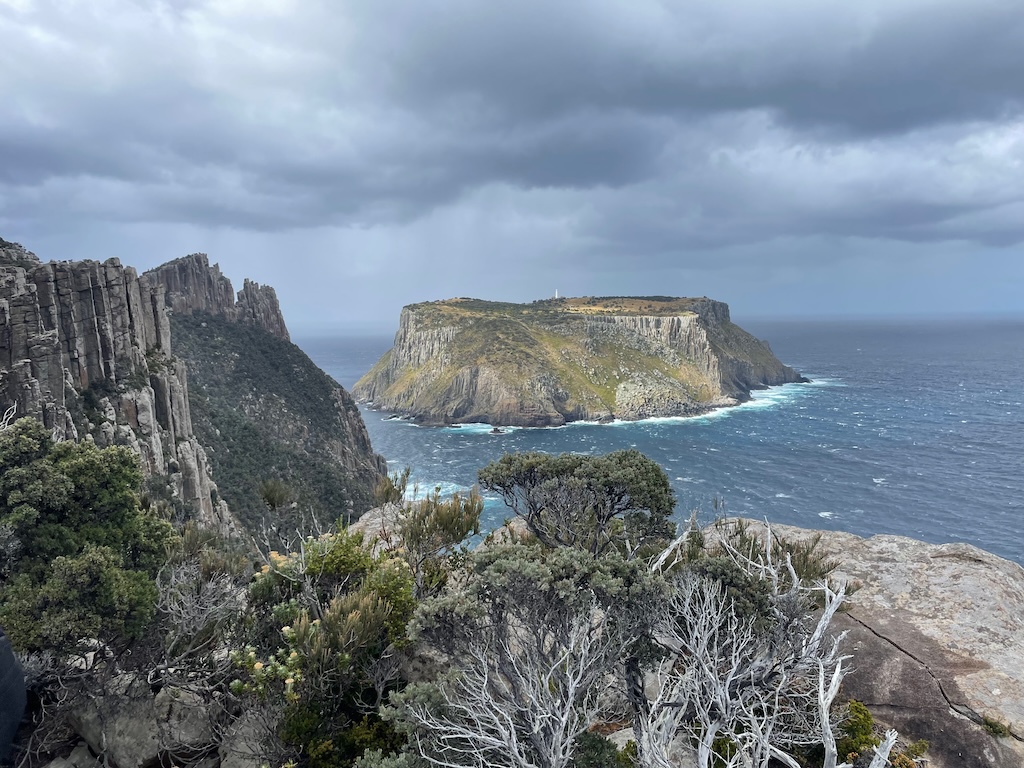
point(87, 553)
point(996, 728)
point(340, 556)
point(391, 488)
point(540, 588)
point(621, 500)
point(275, 493)
point(858, 731)
point(214, 554)
point(291, 435)
point(596, 751)
point(809, 562)
point(339, 612)
point(723, 750)
point(750, 596)
point(431, 532)
point(90, 595)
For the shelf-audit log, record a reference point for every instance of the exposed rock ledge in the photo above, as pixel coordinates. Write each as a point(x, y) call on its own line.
point(937, 638)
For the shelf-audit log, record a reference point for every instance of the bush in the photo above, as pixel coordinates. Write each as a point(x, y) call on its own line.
point(87, 553)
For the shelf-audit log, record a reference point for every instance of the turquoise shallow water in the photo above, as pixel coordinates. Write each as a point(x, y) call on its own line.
point(907, 428)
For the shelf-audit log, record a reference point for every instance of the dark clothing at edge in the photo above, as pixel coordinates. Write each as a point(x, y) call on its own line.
point(12, 696)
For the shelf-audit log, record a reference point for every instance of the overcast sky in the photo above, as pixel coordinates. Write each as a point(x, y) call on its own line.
point(792, 157)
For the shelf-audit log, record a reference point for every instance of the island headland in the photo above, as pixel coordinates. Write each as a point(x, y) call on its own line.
point(554, 361)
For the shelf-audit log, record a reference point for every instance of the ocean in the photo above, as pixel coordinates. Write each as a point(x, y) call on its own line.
point(910, 428)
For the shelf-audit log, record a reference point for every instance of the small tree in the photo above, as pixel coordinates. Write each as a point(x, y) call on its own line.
point(432, 529)
point(759, 675)
point(86, 554)
point(595, 503)
point(531, 641)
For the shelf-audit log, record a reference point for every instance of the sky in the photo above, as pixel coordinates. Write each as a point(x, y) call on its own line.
point(795, 158)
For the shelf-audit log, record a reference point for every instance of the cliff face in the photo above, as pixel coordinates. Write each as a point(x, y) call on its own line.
point(564, 360)
point(263, 410)
point(192, 285)
point(85, 348)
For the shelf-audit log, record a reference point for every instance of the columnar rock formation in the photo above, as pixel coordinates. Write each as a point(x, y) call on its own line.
point(192, 285)
point(85, 347)
point(549, 362)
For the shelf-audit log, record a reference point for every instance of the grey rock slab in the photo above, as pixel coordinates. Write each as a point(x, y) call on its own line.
point(937, 638)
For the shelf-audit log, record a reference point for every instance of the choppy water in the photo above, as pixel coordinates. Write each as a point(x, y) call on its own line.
point(914, 429)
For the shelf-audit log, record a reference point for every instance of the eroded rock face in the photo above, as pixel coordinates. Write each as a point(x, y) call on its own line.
point(15, 255)
point(85, 348)
point(547, 363)
point(192, 285)
point(937, 638)
point(131, 727)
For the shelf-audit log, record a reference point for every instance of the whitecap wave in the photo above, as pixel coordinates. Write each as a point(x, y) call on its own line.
point(421, 489)
point(479, 428)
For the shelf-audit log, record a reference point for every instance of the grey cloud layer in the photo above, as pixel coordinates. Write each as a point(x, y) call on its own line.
point(650, 126)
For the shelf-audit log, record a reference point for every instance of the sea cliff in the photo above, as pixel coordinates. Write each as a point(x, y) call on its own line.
point(561, 360)
point(98, 352)
point(85, 347)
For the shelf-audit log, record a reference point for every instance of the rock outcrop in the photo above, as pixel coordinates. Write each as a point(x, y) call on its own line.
point(546, 363)
point(85, 348)
point(937, 638)
point(192, 285)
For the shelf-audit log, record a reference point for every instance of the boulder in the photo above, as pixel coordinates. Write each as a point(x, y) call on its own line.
point(120, 724)
point(129, 727)
point(245, 743)
point(937, 638)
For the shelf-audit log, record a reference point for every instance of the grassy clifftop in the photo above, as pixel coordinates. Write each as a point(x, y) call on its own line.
point(548, 362)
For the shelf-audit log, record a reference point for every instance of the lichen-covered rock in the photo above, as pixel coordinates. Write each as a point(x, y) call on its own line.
point(937, 638)
point(550, 362)
point(129, 726)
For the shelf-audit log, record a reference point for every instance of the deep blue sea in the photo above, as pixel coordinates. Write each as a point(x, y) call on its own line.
point(911, 428)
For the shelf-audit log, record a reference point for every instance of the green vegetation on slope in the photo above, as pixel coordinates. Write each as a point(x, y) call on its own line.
point(557, 360)
point(265, 412)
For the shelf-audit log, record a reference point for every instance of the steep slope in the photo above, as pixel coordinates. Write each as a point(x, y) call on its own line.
point(172, 363)
point(549, 362)
point(266, 412)
point(85, 348)
point(261, 407)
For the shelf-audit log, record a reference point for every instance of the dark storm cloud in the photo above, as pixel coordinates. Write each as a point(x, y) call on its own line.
point(859, 67)
point(590, 129)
